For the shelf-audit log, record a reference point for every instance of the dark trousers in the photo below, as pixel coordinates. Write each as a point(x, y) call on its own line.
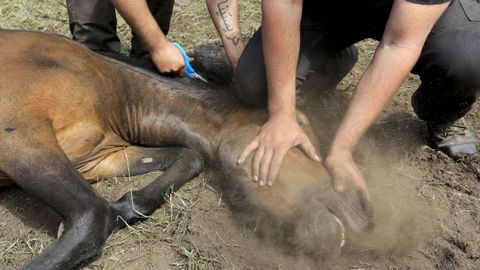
point(93, 24)
point(449, 65)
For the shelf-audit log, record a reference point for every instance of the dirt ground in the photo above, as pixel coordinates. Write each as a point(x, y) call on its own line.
point(426, 205)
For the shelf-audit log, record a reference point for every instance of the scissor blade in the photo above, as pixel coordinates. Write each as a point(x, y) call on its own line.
point(198, 76)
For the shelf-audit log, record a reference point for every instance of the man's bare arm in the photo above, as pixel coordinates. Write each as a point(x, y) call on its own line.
point(166, 57)
point(405, 34)
point(281, 45)
point(224, 14)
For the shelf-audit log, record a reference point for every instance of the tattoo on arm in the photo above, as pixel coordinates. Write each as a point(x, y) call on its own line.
point(225, 15)
point(235, 40)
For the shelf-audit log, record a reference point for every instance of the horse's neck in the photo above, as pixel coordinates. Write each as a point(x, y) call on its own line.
point(166, 111)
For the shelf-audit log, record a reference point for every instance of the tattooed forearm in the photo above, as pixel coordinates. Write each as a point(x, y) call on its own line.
point(223, 11)
point(224, 14)
point(235, 39)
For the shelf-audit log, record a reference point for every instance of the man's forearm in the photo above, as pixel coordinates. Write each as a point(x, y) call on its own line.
point(224, 14)
point(281, 43)
point(379, 83)
point(138, 16)
point(397, 53)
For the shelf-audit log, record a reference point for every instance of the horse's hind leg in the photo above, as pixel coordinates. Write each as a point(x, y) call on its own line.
point(41, 168)
point(180, 165)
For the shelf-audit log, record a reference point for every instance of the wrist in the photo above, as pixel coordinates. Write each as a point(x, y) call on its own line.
point(233, 59)
point(234, 46)
point(281, 114)
point(228, 37)
point(340, 149)
point(159, 44)
point(282, 107)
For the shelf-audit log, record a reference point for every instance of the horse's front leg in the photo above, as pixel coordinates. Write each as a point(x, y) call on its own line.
point(180, 165)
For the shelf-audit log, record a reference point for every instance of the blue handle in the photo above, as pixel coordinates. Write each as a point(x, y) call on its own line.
point(190, 71)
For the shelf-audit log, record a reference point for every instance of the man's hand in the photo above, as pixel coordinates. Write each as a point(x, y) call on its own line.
point(344, 171)
point(273, 141)
point(168, 58)
point(281, 43)
point(349, 182)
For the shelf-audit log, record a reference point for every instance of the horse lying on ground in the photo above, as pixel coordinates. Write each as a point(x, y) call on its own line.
point(67, 114)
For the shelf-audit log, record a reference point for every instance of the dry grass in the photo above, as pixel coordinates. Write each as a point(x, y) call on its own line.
point(191, 24)
point(167, 228)
point(173, 237)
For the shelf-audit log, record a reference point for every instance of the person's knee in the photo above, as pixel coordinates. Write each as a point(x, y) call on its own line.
point(441, 101)
point(250, 76)
point(456, 63)
point(251, 88)
point(462, 70)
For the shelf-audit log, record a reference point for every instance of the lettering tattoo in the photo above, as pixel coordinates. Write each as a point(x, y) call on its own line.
point(222, 11)
point(225, 15)
point(235, 40)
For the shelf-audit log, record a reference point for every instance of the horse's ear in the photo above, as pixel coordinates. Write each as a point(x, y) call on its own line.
point(302, 119)
point(304, 123)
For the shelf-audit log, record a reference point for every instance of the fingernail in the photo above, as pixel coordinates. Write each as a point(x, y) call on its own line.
point(261, 183)
point(255, 178)
point(239, 161)
point(317, 158)
point(269, 183)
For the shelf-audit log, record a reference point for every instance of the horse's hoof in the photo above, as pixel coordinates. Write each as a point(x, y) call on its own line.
point(128, 210)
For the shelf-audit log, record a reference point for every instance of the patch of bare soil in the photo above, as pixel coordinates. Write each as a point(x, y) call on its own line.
point(426, 205)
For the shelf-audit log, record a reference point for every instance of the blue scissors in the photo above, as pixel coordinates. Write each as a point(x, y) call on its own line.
point(191, 73)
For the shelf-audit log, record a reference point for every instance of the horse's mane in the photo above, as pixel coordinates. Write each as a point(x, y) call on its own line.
point(216, 96)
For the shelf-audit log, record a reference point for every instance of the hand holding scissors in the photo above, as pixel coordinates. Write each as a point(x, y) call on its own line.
point(191, 73)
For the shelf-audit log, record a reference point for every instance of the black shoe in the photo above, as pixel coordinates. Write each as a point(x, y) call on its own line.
point(454, 139)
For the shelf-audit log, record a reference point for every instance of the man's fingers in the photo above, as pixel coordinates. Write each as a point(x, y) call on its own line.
point(360, 183)
point(246, 152)
point(364, 189)
point(256, 163)
point(264, 167)
point(353, 177)
point(366, 203)
point(275, 166)
point(307, 147)
point(182, 71)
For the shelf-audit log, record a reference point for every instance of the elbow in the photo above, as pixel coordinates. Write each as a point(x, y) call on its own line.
point(398, 40)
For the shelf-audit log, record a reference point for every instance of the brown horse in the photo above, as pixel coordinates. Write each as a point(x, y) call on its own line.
point(67, 114)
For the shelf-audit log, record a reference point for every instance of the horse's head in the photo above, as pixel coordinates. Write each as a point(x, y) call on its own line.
point(302, 205)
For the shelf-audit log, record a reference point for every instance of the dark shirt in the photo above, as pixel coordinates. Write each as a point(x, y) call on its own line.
point(339, 11)
point(428, 2)
point(366, 3)
point(350, 6)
